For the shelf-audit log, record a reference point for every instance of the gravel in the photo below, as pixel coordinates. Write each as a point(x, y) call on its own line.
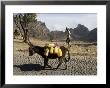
point(32, 65)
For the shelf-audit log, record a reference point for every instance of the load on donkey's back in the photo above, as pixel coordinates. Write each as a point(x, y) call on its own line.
point(53, 49)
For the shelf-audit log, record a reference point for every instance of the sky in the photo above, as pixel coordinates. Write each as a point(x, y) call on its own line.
point(59, 21)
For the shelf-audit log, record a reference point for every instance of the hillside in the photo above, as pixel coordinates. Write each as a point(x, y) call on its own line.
point(38, 30)
point(92, 36)
point(82, 33)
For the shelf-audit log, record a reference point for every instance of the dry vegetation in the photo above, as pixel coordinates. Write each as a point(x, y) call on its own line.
point(83, 60)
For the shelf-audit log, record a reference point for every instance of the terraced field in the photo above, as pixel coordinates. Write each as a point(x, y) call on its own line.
point(83, 60)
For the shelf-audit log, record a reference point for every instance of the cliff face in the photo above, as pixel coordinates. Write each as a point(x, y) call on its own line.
point(79, 33)
point(82, 33)
point(38, 30)
point(92, 36)
point(81, 30)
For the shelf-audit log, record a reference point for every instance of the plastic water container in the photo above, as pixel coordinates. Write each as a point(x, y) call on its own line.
point(56, 50)
point(59, 52)
point(51, 50)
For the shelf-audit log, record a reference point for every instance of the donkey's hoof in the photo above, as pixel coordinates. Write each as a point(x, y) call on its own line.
point(43, 68)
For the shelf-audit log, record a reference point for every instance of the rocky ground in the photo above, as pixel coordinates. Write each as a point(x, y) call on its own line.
point(81, 63)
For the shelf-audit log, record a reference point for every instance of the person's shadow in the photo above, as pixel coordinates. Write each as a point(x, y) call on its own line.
point(29, 67)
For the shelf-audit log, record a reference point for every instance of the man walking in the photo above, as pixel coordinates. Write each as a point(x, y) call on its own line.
point(68, 33)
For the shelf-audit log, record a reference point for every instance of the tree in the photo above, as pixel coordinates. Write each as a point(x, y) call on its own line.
point(22, 21)
point(16, 33)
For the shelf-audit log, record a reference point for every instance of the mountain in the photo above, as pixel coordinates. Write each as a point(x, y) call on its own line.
point(81, 30)
point(79, 33)
point(82, 33)
point(92, 36)
point(38, 30)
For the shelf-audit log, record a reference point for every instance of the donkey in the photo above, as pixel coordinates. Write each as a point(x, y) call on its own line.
point(40, 50)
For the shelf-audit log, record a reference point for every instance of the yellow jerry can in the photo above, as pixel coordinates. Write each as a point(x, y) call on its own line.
point(56, 50)
point(59, 52)
point(51, 50)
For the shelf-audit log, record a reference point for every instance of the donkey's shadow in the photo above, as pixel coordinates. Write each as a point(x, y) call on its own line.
point(29, 67)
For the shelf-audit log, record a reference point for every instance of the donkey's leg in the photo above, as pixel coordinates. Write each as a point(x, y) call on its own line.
point(49, 66)
point(46, 63)
point(65, 64)
point(60, 62)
